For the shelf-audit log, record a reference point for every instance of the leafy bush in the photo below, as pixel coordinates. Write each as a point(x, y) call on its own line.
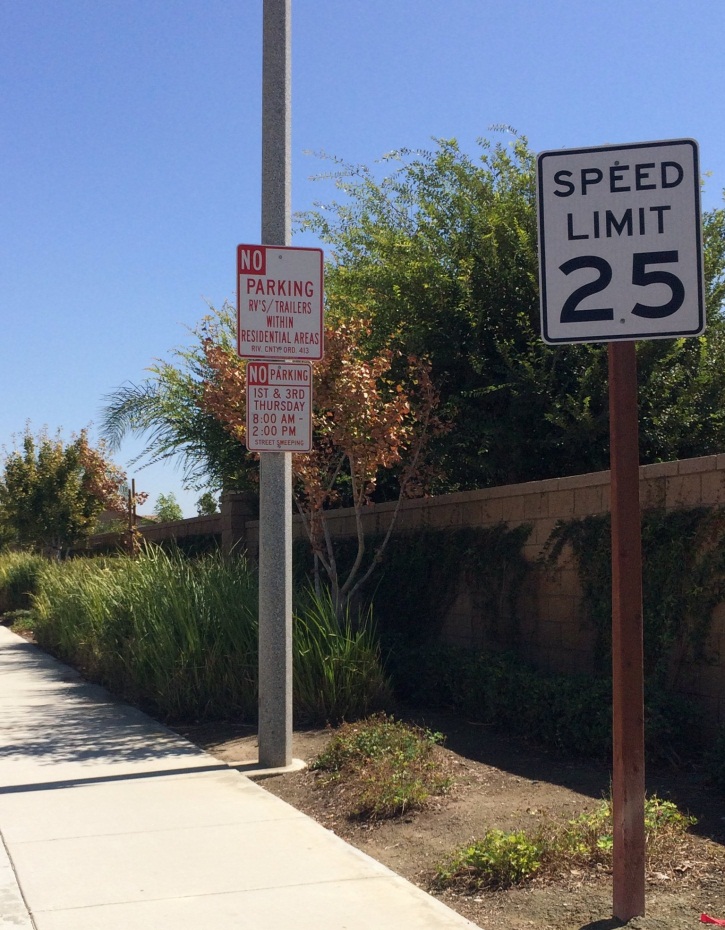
point(18, 579)
point(385, 766)
point(568, 713)
point(499, 860)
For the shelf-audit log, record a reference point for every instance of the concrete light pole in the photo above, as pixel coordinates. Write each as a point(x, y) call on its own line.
point(275, 525)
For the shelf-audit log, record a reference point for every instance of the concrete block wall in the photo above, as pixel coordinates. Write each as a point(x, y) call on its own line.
point(183, 529)
point(554, 633)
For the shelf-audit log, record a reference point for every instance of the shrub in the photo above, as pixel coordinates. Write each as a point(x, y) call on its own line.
point(499, 860)
point(568, 713)
point(386, 767)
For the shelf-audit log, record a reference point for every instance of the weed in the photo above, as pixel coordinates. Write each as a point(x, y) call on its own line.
point(589, 839)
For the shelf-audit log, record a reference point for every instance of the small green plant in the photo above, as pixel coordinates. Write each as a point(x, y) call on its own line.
point(583, 841)
point(499, 860)
point(385, 767)
point(356, 744)
point(665, 827)
point(589, 838)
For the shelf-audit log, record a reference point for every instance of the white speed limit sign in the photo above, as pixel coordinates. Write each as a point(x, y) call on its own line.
point(620, 242)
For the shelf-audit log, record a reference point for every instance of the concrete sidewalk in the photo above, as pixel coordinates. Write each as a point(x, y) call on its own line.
point(111, 822)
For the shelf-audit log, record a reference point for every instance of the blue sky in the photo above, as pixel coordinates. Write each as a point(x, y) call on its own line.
point(130, 135)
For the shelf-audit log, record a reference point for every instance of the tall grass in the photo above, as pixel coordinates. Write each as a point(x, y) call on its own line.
point(18, 579)
point(337, 668)
point(178, 637)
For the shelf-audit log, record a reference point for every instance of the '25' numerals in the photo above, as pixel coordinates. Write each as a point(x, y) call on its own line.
point(640, 277)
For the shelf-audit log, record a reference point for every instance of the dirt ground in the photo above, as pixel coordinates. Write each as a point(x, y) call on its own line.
point(506, 784)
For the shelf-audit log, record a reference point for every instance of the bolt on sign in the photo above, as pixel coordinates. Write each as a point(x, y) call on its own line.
point(620, 243)
point(279, 303)
point(279, 407)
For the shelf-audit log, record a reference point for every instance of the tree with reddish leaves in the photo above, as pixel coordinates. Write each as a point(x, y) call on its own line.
point(370, 415)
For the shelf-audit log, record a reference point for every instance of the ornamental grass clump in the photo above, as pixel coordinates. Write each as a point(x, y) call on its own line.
point(176, 636)
point(337, 666)
point(179, 637)
point(18, 579)
point(382, 767)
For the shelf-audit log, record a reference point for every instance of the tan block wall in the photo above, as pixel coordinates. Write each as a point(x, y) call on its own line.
point(181, 529)
point(554, 633)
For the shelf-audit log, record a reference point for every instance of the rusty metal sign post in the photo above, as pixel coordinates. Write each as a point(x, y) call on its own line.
point(620, 259)
point(627, 637)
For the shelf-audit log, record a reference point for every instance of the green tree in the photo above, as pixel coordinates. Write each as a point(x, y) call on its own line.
point(442, 255)
point(167, 508)
point(206, 506)
point(52, 492)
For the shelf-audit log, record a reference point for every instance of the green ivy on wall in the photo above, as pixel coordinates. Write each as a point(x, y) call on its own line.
point(683, 580)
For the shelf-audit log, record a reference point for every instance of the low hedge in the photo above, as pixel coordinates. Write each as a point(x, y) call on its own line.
point(568, 713)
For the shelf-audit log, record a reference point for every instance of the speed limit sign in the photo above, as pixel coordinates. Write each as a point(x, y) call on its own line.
point(620, 242)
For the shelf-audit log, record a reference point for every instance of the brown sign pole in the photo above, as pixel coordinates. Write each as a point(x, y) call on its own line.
point(608, 283)
point(627, 639)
